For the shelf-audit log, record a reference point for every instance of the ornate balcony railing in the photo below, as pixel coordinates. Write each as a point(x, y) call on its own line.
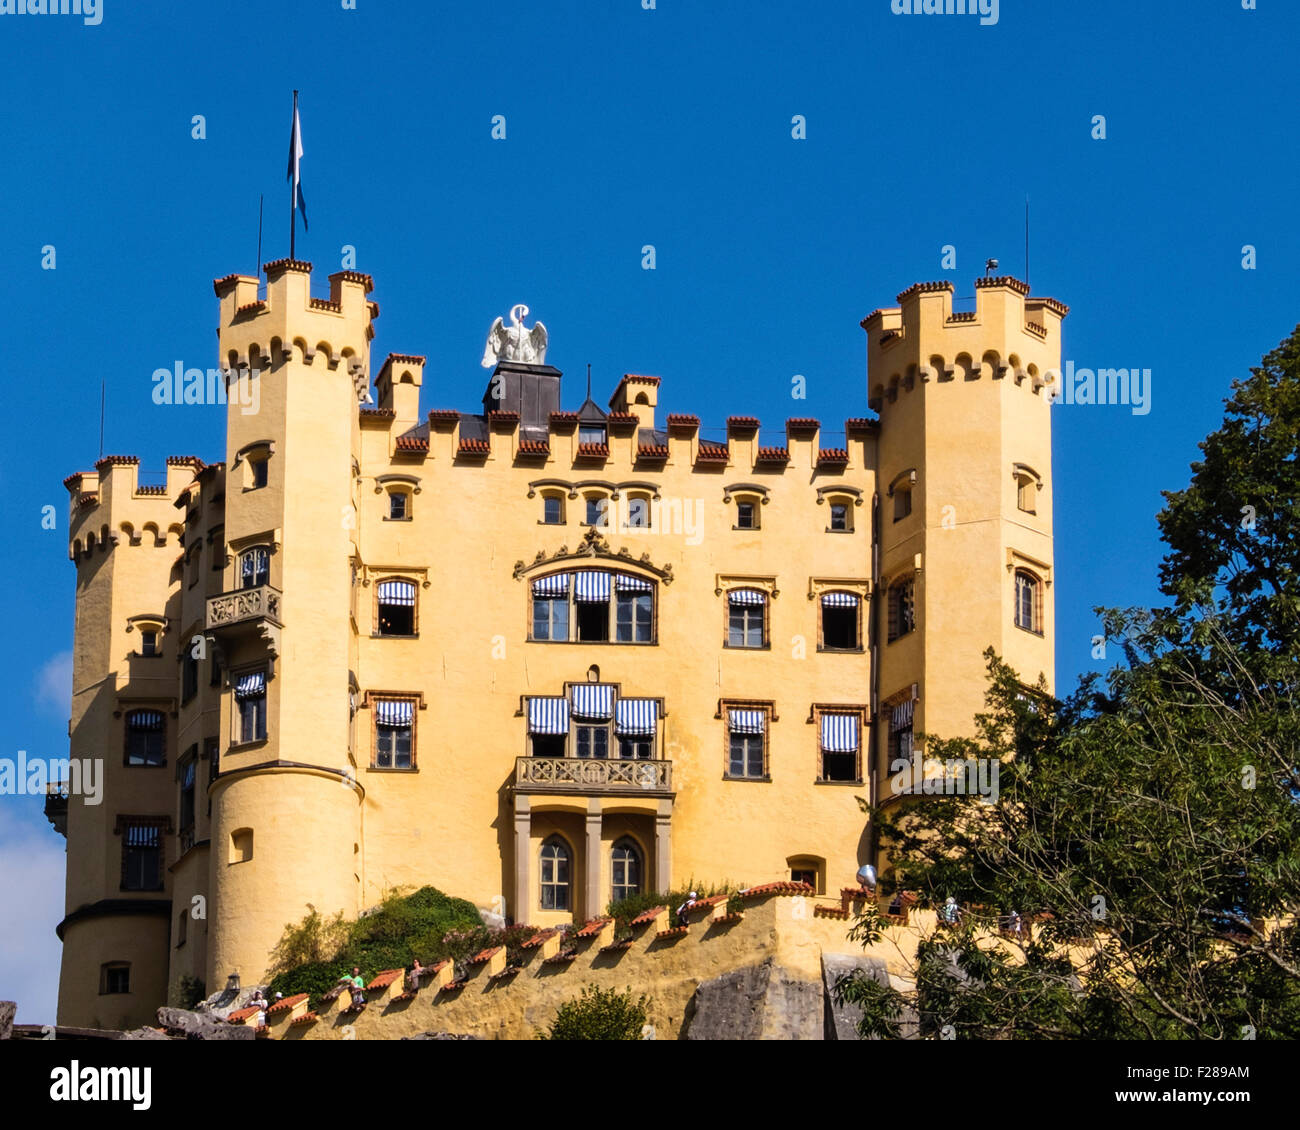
point(261, 603)
point(580, 775)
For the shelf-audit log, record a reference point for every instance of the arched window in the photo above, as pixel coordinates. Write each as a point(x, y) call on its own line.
point(556, 865)
point(254, 567)
point(902, 609)
point(1028, 603)
point(627, 870)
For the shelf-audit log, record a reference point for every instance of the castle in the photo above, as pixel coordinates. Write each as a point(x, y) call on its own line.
point(538, 658)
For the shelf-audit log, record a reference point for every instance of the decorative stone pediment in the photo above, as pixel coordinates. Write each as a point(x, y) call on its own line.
point(593, 546)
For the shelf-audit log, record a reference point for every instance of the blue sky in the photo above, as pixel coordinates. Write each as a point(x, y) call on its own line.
point(626, 127)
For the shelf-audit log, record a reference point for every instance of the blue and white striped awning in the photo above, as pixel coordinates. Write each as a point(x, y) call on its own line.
point(746, 596)
point(840, 733)
point(628, 583)
point(548, 715)
point(636, 716)
point(901, 716)
point(397, 592)
point(593, 700)
point(839, 600)
point(146, 720)
point(143, 835)
point(250, 686)
point(398, 713)
point(746, 721)
point(591, 586)
point(557, 584)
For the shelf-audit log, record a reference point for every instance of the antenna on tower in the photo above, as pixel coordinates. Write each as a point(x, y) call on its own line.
point(1026, 237)
point(588, 380)
point(260, 198)
point(101, 417)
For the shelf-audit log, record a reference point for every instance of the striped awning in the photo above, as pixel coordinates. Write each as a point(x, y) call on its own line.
point(548, 715)
point(146, 720)
point(746, 596)
point(557, 584)
point(250, 686)
point(628, 583)
point(839, 600)
point(591, 586)
point(143, 835)
point(746, 721)
point(397, 592)
point(901, 716)
point(636, 716)
point(593, 700)
point(840, 733)
point(398, 713)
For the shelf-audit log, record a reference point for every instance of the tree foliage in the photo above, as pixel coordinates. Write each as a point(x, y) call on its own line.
point(599, 1014)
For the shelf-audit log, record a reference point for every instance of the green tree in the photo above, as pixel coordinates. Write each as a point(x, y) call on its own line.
point(599, 1014)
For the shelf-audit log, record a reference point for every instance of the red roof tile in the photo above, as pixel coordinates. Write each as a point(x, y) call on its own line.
point(780, 888)
point(594, 450)
point(623, 418)
point(403, 358)
point(710, 452)
point(360, 277)
point(649, 915)
point(802, 424)
point(287, 264)
point(1004, 280)
point(444, 416)
point(832, 455)
point(286, 1003)
point(385, 978)
point(652, 451)
point(411, 443)
point(773, 455)
point(378, 413)
point(305, 1018)
point(924, 288)
point(505, 419)
point(251, 307)
point(830, 912)
point(538, 939)
point(674, 932)
point(470, 446)
point(859, 424)
point(117, 460)
point(614, 947)
point(325, 304)
point(534, 447)
point(593, 927)
point(484, 956)
point(742, 422)
point(564, 417)
point(185, 461)
point(241, 1014)
point(682, 420)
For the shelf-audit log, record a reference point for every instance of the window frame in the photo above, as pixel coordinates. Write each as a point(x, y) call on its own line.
point(556, 497)
point(754, 504)
point(861, 712)
point(107, 970)
point(128, 715)
point(822, 645)
point(768, 711)
point(617, 600)
point(378, 632)
point(634, 853)
point(746, 610)
point(407, 497)
point(561, 849)
point(1035, 584)
point(161, 825)
point(246, 552)
point(847, 515)
point(240, 715)
point(893, 609)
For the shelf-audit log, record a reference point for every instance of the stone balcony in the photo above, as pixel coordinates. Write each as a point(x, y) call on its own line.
point(254, 611)
point(580, 775)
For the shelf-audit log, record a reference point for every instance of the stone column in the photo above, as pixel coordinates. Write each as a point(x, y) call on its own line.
point(664, 847)
point(592, 907)
point(519, 911)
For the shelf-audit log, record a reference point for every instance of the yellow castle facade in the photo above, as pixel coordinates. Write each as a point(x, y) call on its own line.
point(541, 659)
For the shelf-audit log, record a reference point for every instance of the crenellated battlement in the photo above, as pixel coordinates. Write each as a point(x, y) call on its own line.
point(112, 505)
point(923, 340)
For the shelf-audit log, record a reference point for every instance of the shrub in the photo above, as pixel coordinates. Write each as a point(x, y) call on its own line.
point(599, 1014)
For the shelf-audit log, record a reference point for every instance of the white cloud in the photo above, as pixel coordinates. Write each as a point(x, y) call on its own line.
point(31, 892)
point(54, 684)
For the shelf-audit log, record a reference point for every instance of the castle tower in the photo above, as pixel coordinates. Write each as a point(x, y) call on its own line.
point(286, 803)
point(965, 487)
point(124, 536)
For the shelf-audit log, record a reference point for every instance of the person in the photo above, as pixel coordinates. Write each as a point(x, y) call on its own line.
point(1013, 924)
point(258, 1001)
point(685, 909)
point(358, 985)
point(413, 977)
point(950, 912)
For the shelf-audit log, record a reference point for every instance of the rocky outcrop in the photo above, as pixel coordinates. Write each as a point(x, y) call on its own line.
point(7, 1011)
point(842, 1019)
point(758, 1002)
point(202, 1026)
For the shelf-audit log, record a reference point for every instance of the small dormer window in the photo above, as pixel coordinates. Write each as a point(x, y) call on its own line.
point(148, 642)
point(399, 506)
point(746, 516)
point(591, 433)
point(840, 517)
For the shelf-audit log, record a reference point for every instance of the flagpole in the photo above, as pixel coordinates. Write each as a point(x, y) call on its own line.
point(293, 182)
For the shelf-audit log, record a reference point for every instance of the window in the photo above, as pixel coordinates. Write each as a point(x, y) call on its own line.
point(553, 510)
point(747, 744)
point(900, 732)
point(548, 725)
point(625, 877)
point(551, 612)
point(187, 800)
point(902, 609)
point(145, 738)
point(841, 622)
point(250, 702)
point(1028, 484)
point(114, 977)
point(254, 567)
point(804, 875)
point(142, 856)
point(241, 845)
point(591, 433)
point(902, 503)
point(840, 741)
point(189, 676)
point(597, 510)
point(746, 516)
point(635, 723)
point(547, 745)
point(257, 473)
point(394, 734)
point(746, 618)
point(399, 505)
point(593, 742)
point(1028, 603)
point(556, 862)
point(149, 642)
point(635, 748)
point(841, 522)
point(396, 608)
point(638, 513)
point(601, 607)
point(634, 609)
